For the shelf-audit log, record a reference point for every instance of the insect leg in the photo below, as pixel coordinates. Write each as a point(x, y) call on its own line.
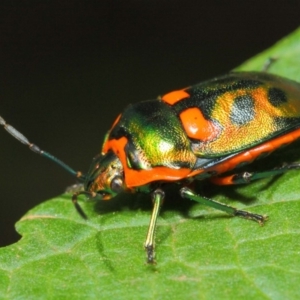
point(246, 177)
point(269, 62)
point(157, 197)
point(189, 194)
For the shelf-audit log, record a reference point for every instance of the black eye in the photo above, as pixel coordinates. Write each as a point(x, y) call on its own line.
point(117, 184)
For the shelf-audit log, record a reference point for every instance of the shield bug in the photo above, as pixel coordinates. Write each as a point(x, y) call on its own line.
point(196, 133)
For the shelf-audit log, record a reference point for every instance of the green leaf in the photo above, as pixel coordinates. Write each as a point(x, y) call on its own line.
point(202, 253)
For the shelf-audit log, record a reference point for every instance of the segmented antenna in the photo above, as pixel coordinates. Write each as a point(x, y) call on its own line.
point(23, 139)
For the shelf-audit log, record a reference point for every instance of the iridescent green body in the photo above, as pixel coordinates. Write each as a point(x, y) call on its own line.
point(155, 137)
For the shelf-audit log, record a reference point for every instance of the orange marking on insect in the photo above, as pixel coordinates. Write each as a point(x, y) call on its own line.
point(116, 121)
point(175, 96)
point(197, 127)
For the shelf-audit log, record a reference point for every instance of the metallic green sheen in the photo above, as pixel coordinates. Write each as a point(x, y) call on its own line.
point(155, 136)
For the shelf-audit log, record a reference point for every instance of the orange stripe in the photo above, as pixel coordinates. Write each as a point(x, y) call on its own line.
point(116, 121)
point(175, 96)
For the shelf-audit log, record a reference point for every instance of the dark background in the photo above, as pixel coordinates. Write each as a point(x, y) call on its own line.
point(68, 68)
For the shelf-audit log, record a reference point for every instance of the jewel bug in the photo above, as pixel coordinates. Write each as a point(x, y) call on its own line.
point(195, 133)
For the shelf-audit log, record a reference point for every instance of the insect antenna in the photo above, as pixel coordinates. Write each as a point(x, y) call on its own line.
point(23, 139)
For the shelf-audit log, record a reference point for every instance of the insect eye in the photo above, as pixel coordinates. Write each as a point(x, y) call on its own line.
point(117, 184)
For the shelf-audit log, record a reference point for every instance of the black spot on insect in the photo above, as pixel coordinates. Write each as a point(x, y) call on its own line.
point(277, 97)
point(242, 111)
point(204, 99)
point(235, 81)
point(286, 123)
point(246, 84)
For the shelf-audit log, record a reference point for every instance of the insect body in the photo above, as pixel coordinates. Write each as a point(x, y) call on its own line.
point(192, 134)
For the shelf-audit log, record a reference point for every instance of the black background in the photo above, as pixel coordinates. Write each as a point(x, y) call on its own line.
point(68, 68)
